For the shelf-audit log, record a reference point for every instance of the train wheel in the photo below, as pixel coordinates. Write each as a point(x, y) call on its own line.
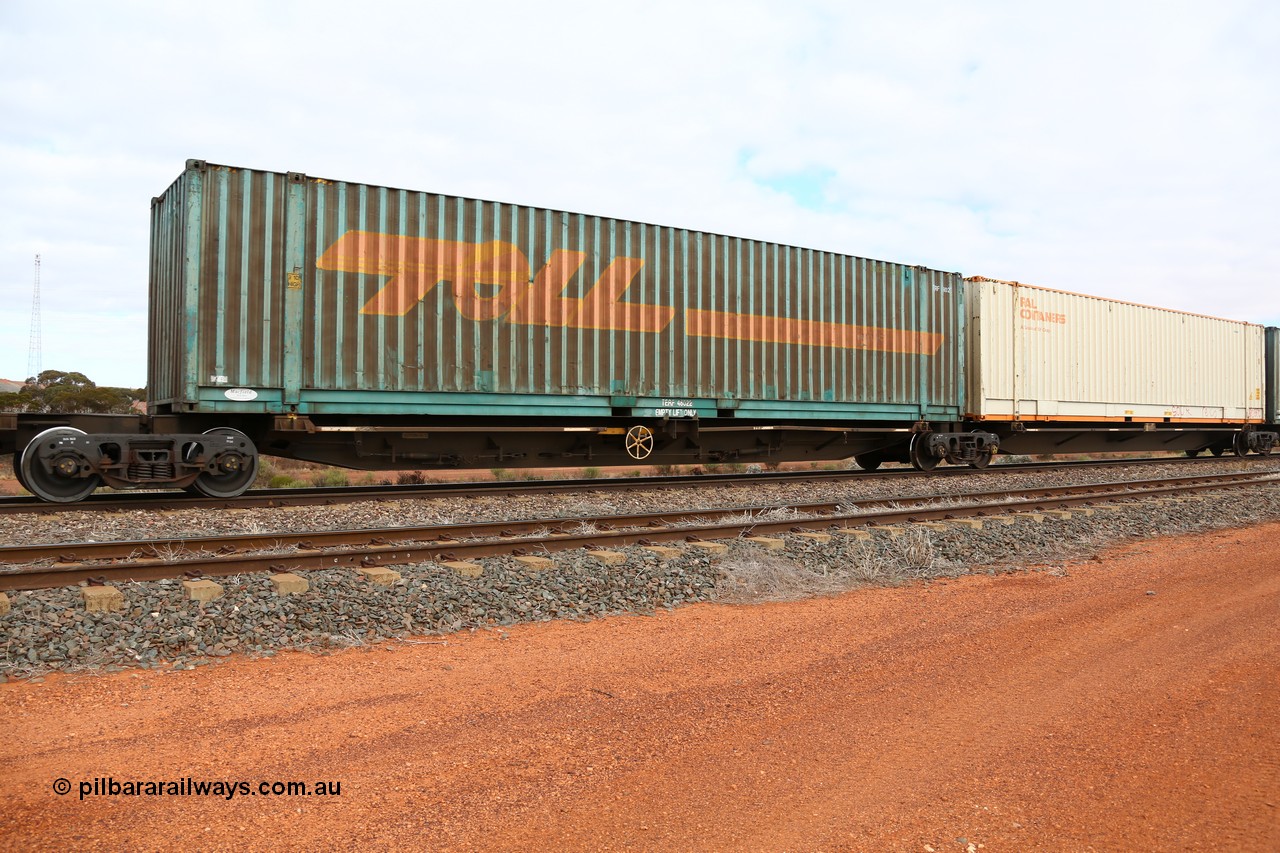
point(61, 482)
point(639, 442)
point(1192, 454)
point(920, 459)
point(1240, 445)
point(237, 467)
point(1216, 450)
point(869, 461)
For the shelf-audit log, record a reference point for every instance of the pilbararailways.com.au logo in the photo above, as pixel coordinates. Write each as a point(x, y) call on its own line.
point(108, 786)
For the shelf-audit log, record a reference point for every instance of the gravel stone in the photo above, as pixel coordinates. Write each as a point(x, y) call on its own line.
point(49, 630)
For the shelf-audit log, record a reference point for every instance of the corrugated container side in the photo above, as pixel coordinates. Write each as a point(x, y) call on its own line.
point(1273, 375)
point(242, 278)
point(330, 296)
point(166, 347)
point(1045, 354)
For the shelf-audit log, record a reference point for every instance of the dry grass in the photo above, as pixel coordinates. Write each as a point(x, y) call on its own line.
point(172, 552)
point(167, 551)
point(752, 575)
point(773, 514)
point(769, 577)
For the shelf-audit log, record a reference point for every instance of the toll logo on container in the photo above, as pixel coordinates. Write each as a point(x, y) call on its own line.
point(511, 292)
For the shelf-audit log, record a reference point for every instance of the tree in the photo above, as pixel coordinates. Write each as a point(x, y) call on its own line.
point(69, 393)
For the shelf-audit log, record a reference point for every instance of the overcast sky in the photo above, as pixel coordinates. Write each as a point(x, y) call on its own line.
point(1125, 149)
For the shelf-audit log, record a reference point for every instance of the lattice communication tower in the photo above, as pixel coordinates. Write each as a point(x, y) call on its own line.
point(36, 346)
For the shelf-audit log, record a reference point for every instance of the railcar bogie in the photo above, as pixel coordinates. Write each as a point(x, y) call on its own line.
point(65, 463)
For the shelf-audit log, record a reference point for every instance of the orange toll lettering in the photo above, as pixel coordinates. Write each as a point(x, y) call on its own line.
point(416, 264)
point(490, 281)
point(603, 308)
point(490, 265)
point(542, 304)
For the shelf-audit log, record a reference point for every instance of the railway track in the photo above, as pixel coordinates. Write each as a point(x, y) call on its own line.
point(119, 502)
point(46, 566)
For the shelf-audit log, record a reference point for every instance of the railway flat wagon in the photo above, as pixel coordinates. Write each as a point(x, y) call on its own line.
point(380, 328)
point(373, 327)
point(1057, 372)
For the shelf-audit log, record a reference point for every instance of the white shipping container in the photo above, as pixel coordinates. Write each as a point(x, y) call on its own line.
point(1048, 355)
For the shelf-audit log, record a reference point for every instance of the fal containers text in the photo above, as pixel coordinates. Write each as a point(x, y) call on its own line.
point(281, 292)
point(1048, 355)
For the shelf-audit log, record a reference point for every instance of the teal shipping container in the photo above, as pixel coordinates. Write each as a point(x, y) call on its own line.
point(1271, 381)
point(283, 293)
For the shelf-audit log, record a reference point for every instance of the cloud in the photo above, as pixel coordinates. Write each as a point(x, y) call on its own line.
point(1127, 150)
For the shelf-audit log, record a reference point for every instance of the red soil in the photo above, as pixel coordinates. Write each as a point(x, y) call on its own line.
point(1131, 704)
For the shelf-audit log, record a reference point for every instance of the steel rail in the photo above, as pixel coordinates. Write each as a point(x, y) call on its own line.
point(313, 540)
point(311, 496)
point(730, 525)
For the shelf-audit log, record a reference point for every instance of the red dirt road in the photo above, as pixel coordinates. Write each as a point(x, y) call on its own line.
point(1023, 712)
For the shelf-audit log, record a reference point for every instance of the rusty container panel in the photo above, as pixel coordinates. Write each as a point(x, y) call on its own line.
point(217, 283)
point(326, 296)
point(166, 313)
point(1042, 354)
point(1272, 383)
